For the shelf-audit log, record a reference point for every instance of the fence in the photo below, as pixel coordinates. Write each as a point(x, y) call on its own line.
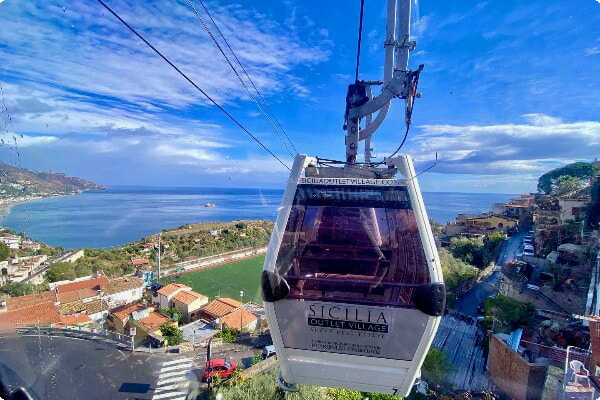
point(123, 341)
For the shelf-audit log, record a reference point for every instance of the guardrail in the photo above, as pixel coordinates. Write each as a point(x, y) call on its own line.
point(123, 341)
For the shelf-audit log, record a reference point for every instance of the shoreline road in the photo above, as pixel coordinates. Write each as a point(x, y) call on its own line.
point(67, 368)
point(468, 302)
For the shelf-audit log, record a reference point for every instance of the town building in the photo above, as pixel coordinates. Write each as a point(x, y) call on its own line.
point(219, 308)
point(483, 224)
point(140, 321)
point(12, 242)
point(183, 298)
point(239, 319)
point(146, 274)
point(125, 290)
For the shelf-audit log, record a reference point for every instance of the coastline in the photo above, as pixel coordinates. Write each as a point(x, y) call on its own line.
point(7, 204)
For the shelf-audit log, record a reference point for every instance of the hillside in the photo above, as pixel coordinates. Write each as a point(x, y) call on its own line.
point(16, 181)
point(581, 170)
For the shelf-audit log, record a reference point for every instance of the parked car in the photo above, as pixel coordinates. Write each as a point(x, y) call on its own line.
point(268, 351)
point(218, 366)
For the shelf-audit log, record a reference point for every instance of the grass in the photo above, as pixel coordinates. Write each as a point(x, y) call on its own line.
point(227, 280)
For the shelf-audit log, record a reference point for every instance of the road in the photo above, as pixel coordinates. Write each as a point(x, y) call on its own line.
point(468, 302)
point(66, 368)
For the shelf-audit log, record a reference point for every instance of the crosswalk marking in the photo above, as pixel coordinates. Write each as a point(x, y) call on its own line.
point(172, 384)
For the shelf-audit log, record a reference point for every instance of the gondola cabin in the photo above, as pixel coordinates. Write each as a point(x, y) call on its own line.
point(352, 281)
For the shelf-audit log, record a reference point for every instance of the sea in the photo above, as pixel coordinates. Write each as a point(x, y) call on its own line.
point(123, 214)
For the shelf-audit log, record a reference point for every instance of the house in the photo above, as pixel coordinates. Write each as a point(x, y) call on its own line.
point(33, 314)
point(219, 308)
point(127, 289)
point(483, 224)
point(189, 304)
point(11, 241)
point(183, 298)
point(78, 320)
point(239, 319)
point(96, 309)
point(139, 262)
point(141, 321)
point(572, 208)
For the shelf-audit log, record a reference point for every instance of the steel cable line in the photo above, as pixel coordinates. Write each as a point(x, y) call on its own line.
point(360, 27)
point(238, 76)
point(248, 76)
point(231, 117)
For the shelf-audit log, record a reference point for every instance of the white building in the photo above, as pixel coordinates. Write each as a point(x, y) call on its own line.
point(12, 242)
point(120, 291)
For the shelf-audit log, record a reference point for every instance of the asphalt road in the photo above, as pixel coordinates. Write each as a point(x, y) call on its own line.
point(468, 302)
point(66, 368)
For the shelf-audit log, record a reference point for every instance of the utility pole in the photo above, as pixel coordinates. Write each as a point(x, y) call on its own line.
point(159, 236)
point(241, 313)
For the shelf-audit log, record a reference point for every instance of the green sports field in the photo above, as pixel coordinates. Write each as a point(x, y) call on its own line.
point(227, 280)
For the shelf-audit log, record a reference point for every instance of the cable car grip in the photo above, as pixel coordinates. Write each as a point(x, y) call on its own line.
point(430, 299)
point(274, 286)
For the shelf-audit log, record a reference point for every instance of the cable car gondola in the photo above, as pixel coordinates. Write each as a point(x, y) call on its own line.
point(352, 281)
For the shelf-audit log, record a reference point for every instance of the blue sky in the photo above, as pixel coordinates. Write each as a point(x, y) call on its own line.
point(510, 89)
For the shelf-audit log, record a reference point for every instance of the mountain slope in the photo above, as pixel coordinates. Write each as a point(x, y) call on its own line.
point(21, 181)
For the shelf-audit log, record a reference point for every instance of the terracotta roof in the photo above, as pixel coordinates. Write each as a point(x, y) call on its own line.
point(140, 261)
point(88, 283)
point(75, 319)
point(81, 294)
point(188, 296)
point(121, 285)
point(220, 307)
point(92, 307)
point(154, 321)
point(42, 313)
point(14, 303)
point(234, 319)
point(171, 288)
point(123, 312)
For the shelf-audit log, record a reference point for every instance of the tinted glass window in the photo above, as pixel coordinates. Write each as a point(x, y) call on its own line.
point(337, 249)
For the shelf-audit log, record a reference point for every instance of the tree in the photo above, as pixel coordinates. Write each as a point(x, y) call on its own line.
point(15, 289)
point(456, 272)
point(61, 271)
point(567, 184)
point(4, 252)
point(580, 170)
point(467, 249)
point(592, 215)
point(173, 334)
point(436, 367)
point(509, 313)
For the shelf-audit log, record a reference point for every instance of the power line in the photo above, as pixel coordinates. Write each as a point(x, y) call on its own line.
point(238, 76)
point(231, 117)
point(248, 76)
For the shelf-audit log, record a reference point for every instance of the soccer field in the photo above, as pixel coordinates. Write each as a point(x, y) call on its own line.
point(227, 280)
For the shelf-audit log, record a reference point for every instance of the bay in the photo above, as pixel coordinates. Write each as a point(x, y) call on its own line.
point(118, 215)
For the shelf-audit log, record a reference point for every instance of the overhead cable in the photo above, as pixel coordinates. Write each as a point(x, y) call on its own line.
point(231, 117)
point(267, 106)
point(360, 27)
point(238, 76)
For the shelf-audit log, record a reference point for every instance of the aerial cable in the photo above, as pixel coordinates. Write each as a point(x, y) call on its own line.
point(238, 76)
point(248, 76)
point(360, 27)
point(231, 117)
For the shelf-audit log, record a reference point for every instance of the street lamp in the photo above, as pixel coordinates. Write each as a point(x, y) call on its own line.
point(241, 314)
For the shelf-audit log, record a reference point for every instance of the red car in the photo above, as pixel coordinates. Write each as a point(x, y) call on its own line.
point(218, 366)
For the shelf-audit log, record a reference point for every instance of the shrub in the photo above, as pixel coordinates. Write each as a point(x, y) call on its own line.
point(173, 334)
point(436, 367)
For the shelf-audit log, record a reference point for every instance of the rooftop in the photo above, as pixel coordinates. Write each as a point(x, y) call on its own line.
point(123, 312)
point(154, 321)
point(238, 319)
point(221, 307)
point(90, 308)
point(171, 288)
point(14, 303)
point(75, 319)
point(188, 296)
point(41, 313)
point(89, 283)
point(121, 285)
point(81, 294)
